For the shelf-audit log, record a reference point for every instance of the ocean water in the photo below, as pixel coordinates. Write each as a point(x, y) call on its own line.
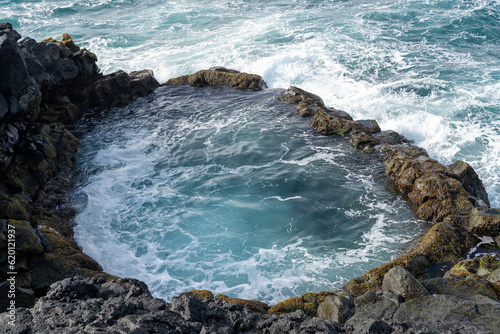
point(231, 191)
point(427, 69)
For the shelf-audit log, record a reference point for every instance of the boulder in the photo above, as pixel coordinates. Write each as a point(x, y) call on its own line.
point(370, 326)
point(427, 183)
point(416, 264)
point(374, 305)
point(17, 87)
point(471, 182)
point(336, 308)
point(449, 314)
point(400, 281)
point(445, 242)
point(220, 76)
point(476, 289)
point(119, 89)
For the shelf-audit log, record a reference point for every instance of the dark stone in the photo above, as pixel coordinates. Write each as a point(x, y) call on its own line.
point(47, 53)
point(450, 314)
point(477, 289)
point(370, 326)
point(471, 182)
point(63, 71)
point(23, 297)
point(216, 77)
point(390, 137)
point(336, 308)
point(4, 106)
point(400, 281)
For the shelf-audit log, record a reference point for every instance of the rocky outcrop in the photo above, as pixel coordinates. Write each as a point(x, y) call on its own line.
point(307, 303)
point(93, 305)
point(220, 76)
point(78, 305)
point(452, 196)
point(44, 89)
point(433, 307)
point(362, 134)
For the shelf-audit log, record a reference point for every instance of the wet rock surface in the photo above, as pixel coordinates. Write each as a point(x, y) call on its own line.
point(220, 76)
point(45, 87)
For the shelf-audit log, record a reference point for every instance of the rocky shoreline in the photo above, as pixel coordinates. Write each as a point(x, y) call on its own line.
point(45, 88)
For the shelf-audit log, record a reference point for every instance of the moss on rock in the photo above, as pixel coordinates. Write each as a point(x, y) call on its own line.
point(308, 303)
point(416, 264)
point(14, 207)
point(27, 241)
point(199, 294)
point(445, 242)
point(484, 221)
point(254, 305)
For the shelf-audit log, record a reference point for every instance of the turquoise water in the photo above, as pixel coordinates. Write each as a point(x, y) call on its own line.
point(231, 191)
point(427, 69)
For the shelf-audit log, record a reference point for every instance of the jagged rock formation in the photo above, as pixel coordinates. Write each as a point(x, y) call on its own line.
point(92, 305)
point(44, 89)
point(451, 196)
point(220, 76)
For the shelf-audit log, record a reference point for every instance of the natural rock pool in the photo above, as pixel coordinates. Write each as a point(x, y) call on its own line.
point(231, 191)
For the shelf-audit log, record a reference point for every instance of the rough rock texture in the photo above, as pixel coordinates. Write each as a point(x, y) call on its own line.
point(220, 76)
point(444, 243)
point(436, 191)
point(484, 221)
point(336, 308)
point(449, 308)
point(92, 305)
point(308, 303)
point(77, 305)
point(452, 196)
point(44, 89)
point(362, 134)
point(399, 281)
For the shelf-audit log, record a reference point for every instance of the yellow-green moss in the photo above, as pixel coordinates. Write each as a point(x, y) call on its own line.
point(13, 207)
point(308, 303)
point(200, 294)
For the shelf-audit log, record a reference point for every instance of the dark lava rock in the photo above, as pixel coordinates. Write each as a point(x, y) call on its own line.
point(92, 305)
point(220, 76)
point(44, 89)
